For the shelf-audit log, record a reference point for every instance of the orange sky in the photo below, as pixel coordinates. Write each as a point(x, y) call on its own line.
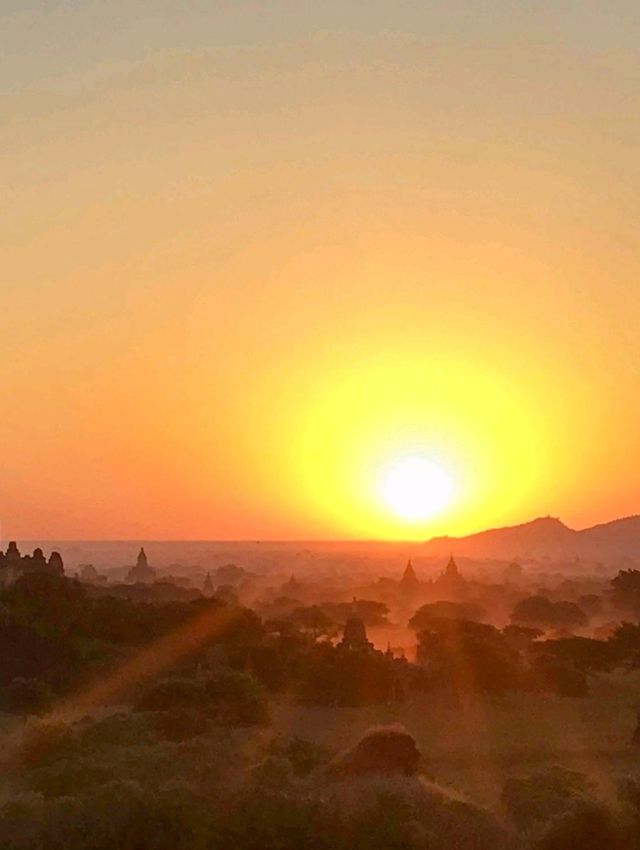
point(250, 259)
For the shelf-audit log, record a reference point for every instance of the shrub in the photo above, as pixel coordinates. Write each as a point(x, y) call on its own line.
point(387, 749)
point(556, 677)
point(388, 823)
point(235, 699)
point(543, 795)
point(178, 724)
point(304, 756)
point(587, 826)
point(261, 820)
point(273, 774)
point(119, 814)
point(400, 811)
point(168, 694)
point(44, 742)
point(116, 730)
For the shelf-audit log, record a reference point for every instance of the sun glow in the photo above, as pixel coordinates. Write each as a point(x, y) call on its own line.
point(407, 446)
point(416, 488)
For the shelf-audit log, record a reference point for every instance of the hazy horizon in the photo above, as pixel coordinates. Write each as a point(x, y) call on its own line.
point(328, 540)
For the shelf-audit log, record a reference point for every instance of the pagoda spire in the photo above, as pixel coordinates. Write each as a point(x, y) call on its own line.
point(452, 568)
point(409, 577)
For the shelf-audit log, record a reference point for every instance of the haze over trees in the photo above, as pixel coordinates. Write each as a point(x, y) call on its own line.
point(137, 716)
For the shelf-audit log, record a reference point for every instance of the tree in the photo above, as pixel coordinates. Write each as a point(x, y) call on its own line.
point(444, 610)
point(171, 693)
point(521, 637)
point(469, 656)
point(330, 676)
point(625, 644)
point(541, 611)
point(533, 611)
point(569, 615)
point(626, 590)
point(558, 677)
point(582, 653)
point(314, 621)
point(371, 613)
point(386, 749)
point(51, 604)
point(234, 698)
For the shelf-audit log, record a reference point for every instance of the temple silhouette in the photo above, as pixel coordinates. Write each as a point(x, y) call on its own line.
point(409, 580)
point(354, 636)
point(14, 565)
point(141, 573)
point(451, 581)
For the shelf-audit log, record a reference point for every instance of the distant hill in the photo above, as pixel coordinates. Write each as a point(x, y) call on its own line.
point(545, 537)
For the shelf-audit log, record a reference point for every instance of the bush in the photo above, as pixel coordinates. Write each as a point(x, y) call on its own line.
point(443, 610)
point(179, 724)
point(261, 820)
point(117, 730)
point(389, 823)
point(236, 699)
point(588, 826)
point(543, 795)
point(553, 676)
point(387, 749)
point(334, 677)
point(304, 756)
point(118, 815)
point(400, 811)
point(229, 698)
point(168, 694)
point(469, 656)
point(540, 611)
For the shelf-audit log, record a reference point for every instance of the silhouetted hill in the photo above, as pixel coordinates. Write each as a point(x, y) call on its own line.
point(545, 537)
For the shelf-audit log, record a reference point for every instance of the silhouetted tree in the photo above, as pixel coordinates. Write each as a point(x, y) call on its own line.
point(625, 644)
point(314, 621)
point(331, 676)
point(555, 676)
point(521, 637)
point(444, 610)
point(541, 612)
point(170, 693)
point(385, 749)
point(543, 795)
point(626, 590)
point(371, 612)
point(582, 653)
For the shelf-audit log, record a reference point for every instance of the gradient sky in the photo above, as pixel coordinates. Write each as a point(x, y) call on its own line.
point(254, 251)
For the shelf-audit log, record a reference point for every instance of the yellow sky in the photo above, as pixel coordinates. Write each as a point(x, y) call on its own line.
point(246, 268)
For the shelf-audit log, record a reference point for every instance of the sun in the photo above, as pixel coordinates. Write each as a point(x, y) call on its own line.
point(416, 488)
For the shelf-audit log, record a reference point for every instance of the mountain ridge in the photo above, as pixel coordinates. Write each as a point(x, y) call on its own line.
point(545, 537)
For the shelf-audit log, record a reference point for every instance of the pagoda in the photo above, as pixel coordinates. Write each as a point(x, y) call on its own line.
point(142, 573)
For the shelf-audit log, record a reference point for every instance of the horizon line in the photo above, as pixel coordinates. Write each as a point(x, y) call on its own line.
point(316, 540)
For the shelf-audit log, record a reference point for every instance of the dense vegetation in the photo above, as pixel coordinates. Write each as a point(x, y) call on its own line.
point(179, 749)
